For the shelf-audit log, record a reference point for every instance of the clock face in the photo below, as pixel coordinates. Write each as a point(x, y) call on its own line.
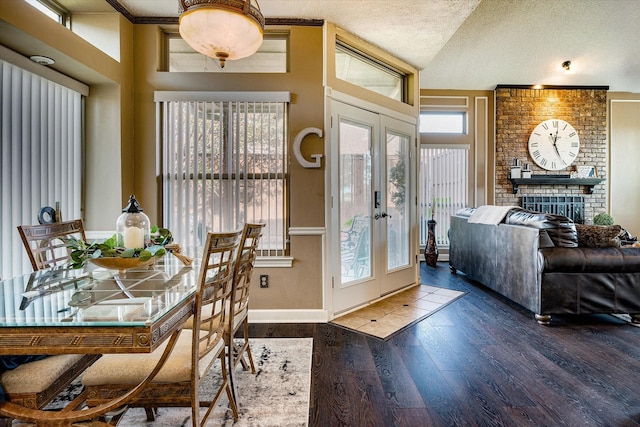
point(554, 144)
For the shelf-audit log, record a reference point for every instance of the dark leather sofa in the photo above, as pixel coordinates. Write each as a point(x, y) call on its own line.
point(534, 260)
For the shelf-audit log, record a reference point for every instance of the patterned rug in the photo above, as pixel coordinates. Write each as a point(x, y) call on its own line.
point(277, 395)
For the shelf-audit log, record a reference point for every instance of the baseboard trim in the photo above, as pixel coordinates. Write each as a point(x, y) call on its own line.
point(288, 316)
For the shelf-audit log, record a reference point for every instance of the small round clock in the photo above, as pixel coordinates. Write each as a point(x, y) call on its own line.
point(554, 144)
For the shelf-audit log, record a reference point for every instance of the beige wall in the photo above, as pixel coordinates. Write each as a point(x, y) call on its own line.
point(299, 287)
point(624, 155)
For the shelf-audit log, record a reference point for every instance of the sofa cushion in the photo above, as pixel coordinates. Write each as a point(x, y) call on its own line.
point(598, 236)
point(561, 230)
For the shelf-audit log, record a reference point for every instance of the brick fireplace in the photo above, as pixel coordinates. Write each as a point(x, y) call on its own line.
point(520, 108)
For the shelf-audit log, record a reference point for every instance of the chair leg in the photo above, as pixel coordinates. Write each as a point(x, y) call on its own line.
point(151, 413)
point(246, 342)
point(229, 388)
point(231, 363)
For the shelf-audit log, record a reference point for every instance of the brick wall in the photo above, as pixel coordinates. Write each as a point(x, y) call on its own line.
point(519, 110)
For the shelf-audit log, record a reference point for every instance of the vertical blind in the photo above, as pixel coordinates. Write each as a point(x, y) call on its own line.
point(40, 156)
point(443, 188)
point(224, 164)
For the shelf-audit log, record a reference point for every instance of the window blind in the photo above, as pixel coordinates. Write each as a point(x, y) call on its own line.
point(40, 156)
point(442, 188)
point(224, 164)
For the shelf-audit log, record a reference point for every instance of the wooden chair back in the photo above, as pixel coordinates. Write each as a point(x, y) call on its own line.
point(195, 352)
point(46, 247)
point(46, 244)
point(213, 294)
point(246, 256)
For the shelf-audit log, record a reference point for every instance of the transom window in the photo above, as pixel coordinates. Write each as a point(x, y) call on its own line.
point(270, 58)
point(224, 164)
point(443, 122)
point(362, 70)
point(52, 9)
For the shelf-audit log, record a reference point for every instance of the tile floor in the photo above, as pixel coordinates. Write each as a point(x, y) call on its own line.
point(385, 317)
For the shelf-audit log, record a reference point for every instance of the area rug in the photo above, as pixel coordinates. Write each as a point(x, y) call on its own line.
point(277, 395)
point(389, 316)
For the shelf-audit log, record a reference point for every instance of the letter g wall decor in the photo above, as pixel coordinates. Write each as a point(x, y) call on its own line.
point(297, 142)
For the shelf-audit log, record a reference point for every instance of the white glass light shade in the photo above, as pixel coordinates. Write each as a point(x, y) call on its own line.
point(220, 31)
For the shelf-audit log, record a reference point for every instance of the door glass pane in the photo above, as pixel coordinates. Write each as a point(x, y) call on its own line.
point(355, 200)
point(397, 200)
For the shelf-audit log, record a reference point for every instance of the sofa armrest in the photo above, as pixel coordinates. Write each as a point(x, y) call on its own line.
point(589, 260)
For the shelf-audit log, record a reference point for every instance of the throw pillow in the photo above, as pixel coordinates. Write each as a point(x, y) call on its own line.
point(598, 236)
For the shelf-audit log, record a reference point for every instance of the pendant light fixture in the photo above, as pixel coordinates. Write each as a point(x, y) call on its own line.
point(223, 29)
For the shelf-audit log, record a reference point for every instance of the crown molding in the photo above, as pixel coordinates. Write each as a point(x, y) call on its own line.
point(173, 20)
point(552, 87)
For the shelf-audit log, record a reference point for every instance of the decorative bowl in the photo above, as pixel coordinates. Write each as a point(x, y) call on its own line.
point(119, 263)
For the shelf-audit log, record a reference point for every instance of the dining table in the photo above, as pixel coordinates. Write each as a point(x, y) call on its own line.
point(94, 310)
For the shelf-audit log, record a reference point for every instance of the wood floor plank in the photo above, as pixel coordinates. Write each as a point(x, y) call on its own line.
point(396, 381)
point(480, 361)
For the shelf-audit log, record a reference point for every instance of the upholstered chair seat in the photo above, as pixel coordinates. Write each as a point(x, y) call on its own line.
point(29, 382)
point(132, 369)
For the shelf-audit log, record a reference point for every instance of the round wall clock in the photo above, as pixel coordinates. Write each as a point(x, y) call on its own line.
point(554, 144)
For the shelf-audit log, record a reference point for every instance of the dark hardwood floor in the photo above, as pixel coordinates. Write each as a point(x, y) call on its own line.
point(480, 361)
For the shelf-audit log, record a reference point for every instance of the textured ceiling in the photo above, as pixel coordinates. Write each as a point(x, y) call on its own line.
point(413, 30)
point(473, 44)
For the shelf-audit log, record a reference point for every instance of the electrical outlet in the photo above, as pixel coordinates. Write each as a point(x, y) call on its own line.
point(264, 281)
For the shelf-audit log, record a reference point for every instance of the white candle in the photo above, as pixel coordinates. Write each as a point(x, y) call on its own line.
point(133, 238)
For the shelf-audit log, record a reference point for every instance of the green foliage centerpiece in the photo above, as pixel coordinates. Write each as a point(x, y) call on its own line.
point(112, 254)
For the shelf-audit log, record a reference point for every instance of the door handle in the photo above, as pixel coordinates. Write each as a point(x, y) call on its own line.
point(381, 215)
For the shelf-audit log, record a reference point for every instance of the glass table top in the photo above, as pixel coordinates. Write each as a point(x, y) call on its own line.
point(95, 296)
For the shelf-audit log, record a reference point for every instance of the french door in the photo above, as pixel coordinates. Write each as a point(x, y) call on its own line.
point(372, 214)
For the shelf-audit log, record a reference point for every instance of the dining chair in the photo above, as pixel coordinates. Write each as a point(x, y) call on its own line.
point(34, 384)
point(238, 347)
point(195, 352)
point(46, 244)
